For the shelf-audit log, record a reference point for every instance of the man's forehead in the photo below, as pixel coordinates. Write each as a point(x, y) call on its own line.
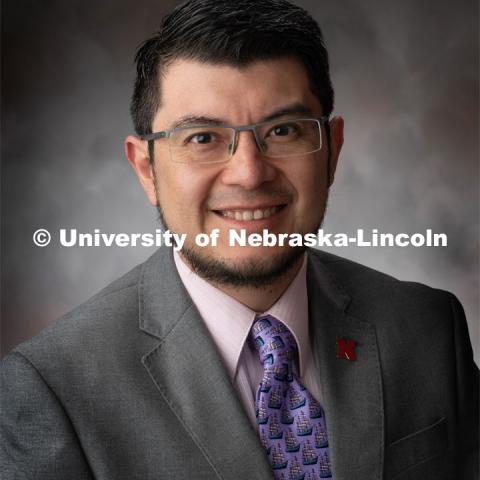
point(240, 94)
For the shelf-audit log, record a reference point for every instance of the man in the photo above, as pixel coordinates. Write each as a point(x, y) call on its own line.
point(158, 375)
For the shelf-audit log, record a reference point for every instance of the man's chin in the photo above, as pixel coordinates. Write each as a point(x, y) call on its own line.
point(249, 271)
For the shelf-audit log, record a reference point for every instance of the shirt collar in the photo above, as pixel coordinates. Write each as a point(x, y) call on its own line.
point(229, 321)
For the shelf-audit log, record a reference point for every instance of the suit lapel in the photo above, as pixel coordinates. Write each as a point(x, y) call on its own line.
point(189, 373)
point(352, 390)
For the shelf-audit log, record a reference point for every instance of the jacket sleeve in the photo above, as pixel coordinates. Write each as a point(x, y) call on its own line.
point(37, 439)
point(467, 439)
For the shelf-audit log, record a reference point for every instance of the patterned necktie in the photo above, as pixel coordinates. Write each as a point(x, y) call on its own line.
point(291, 423)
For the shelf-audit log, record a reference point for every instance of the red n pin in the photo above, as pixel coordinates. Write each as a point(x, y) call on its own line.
point(346, 349)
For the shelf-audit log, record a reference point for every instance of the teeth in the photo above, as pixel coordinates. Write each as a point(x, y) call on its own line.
point(257, 214)
point(248, 215)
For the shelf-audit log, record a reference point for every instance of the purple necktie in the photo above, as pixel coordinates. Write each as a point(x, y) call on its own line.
point(291, 423)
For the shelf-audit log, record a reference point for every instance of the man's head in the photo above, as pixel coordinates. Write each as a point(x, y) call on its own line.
point(235, 63)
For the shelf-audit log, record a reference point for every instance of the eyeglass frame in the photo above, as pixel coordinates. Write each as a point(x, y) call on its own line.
point(237, 129)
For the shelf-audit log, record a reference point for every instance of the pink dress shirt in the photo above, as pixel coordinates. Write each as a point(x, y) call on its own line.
point(229, 323)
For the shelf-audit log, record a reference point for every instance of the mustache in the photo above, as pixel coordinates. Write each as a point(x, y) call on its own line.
point(264, 195)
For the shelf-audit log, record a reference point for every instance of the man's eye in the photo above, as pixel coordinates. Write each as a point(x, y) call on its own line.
point(200, 138)
point(284, 130)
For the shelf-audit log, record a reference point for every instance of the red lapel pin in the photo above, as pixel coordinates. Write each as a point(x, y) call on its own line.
point(346, 349)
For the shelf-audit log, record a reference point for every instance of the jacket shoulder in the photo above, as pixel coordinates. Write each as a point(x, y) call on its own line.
point(85, 328)
point(373, 294)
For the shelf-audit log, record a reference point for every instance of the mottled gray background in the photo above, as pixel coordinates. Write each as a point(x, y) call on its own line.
point(406, 79)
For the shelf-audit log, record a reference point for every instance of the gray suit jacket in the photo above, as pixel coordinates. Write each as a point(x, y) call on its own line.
point(130, 385)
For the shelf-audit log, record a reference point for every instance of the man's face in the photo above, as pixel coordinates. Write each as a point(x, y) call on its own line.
point(290, 193)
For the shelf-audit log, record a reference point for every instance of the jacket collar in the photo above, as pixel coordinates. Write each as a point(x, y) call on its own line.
point(352, 389)
point(189, 374)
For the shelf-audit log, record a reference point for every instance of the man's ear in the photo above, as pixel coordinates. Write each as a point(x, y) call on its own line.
point(136, 151)
point(336, 142)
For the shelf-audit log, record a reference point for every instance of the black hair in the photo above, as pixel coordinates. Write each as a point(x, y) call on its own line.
point(230, 32)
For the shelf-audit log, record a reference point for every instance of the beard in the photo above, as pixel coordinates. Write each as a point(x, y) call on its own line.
point(249, 273)
point(254, 273)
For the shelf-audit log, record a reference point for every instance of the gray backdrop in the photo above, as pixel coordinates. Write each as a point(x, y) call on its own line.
point(406, 80)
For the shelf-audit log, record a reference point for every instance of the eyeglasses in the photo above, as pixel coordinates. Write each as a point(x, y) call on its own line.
point(217, 143)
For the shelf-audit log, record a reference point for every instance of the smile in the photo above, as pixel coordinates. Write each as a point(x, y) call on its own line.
point(249, 215)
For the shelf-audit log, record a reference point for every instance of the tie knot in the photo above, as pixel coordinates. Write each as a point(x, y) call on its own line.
point(273, 340)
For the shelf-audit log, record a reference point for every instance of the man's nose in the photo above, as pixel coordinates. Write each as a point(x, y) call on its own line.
point(247, 167)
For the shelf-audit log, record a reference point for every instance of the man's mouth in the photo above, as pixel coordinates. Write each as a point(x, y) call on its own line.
point(247, 215)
